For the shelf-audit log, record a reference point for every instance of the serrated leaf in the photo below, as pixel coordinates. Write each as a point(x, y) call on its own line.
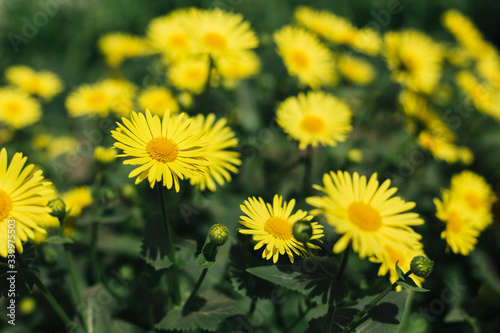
point(205, 312)
point(400, 272)
point(59, 240)
point(184, 252)
point(306, 278)
point(411, 285)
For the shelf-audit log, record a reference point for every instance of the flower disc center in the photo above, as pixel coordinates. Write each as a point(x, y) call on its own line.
point(364, 216)
point(215, 40)
point(5, 205)
point(278, 227)
point(300, 59)
point(13, 107)
point(162, 149)
point(312, 124)
point(473, 199)
point(454, 222)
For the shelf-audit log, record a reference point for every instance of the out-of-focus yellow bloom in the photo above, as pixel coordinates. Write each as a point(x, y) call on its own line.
point(118, 46)
point(158, 100)
point(355, 155)
point(356, 70)
point(61, 145)
point(18, 109)
point(105, 155)
point(465, 32)
point(101, 98)
point(6, 134)
point(189, 75)
point(237, 68)
point(484, 96)
point(185, 99)
point(442, 148)
point(414, 59)
point(44, 83)
point(306, 57)
point(367, 40)
point(77, 199)
point(458, 56)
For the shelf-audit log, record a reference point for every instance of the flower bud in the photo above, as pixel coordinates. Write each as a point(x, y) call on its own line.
point(302, 231)
point(218, 234)
point(421, 266)
point(58, 208)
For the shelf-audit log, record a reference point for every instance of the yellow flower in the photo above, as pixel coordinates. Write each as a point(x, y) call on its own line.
point(118, 46)
point(61, 145)
point(23, 202)
point(484, 96)
point(101, 98)
point(168, 35)
point(158, 100)
point(76, 200)
point(220, 33)
point(355, 155)
point(475, 195)
point(168, 148)
point(414, 59)
point(460, 233)
point(236, 68)
point(222, 161)
point(272, 225)
point(442, 148)
point(44, 83)
point(364, 213)
point(315, 118)
point(105, 155)
point(356, 70)
point(367, 40)
point(464, 31)
point(18, 109)
point(190, 74)
point(306, 57)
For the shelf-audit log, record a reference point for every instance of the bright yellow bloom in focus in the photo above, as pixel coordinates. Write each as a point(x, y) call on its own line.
point(44, 83)
point(219, 33)
point(222, 161)
point(356, 70)
point(76, 200)
point(18, 109)
point(101, 98)
point(158, 100)
point(165, 149)
point(306, 57)
point(169, 35)
point(414, 59)
point(272, 226)
point(237, 68)
point(365, 213)
point(118, 46)
point(23, 201)
point(460, 233)
point(315, 118)
point(475, 195)
point(442, 148)
point(105, 155)
point(189, 75)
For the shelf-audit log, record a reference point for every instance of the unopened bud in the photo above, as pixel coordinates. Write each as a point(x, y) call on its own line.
point(58, 208)
point(302, 231)
point(218, 234)
point(421, 266)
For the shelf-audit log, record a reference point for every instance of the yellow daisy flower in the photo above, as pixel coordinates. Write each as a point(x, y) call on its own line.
point(118, 46)
point(484, 96)
point(443, 148)
point(76, 200)
point(61, 145)
point(168, 148)
point(414, 59)
point(464, 31)
point(44, 83)
point(356, 70)
point(368, 41)
point(18, 109)
point(315, 118)
point(460, 233)
point(191, 74)
point(220, 33)
point(476, 197)
point(23, 201)
point(365, 213)
point(233, 69)
point(105, 155)
point(168, 35)
point(306, 57)
point(222, 161)
point(158, 100)
point(272, 225)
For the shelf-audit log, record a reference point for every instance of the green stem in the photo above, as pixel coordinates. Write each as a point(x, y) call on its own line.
point(93, 252)
point(406, 314)
point(308, 172)
point(197, 286)
point(71, 268)
point(368, 307)
point(173, 274)
point(343, 264)
point(320, 265)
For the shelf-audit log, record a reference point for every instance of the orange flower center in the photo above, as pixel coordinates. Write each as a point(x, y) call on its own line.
point(215, 40)
point(312, 124)
point(473, 199)
point(454, 222)
point(364, 216)
point(278, 227)
point(300, 59)
point(13, 107)
point(162, 149)
point(5, 205)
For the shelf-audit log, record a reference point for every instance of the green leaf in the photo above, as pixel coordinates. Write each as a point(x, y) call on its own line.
point(123, 326)
point(400, 272)
point(206, 312)
point(97, 303)
point(206, 259)
point(306, 278)
point(59, 240)
point(410, 284)
point(184, 252)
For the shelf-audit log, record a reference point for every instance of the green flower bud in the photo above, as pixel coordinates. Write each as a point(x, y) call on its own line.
point(218, 234)
point(58, 208)
point(421, 266)
point(302, 231)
